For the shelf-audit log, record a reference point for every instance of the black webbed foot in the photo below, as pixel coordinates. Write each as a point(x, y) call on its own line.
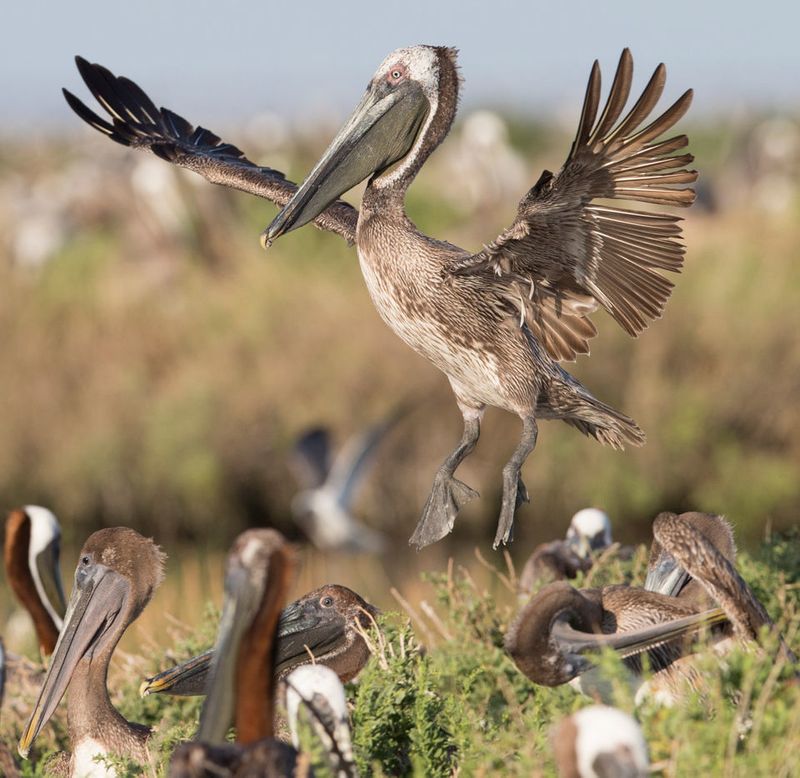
point(446, 499)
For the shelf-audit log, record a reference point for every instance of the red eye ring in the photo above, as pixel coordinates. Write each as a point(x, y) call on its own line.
point(396, 73)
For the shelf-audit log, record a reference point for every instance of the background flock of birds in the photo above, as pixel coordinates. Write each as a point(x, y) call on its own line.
point(497, 323)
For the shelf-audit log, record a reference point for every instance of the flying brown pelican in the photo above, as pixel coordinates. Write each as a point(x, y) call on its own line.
point(497, 322)
point(552, 634)
point(600, 742)
point(240, 693)
point(31, 554)
point(118, 571)
point(323, 627)
point(589, 531)
point(317, 690)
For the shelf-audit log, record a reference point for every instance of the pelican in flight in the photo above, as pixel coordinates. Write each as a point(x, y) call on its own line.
point(497, 322)
point(118, 571)
point(323, 627)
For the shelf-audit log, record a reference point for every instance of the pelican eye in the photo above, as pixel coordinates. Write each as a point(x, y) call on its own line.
point(84, 560)
point(327, 602)
point(396, 74)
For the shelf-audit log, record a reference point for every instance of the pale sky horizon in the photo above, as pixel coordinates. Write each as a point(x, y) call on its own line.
point(218, 66)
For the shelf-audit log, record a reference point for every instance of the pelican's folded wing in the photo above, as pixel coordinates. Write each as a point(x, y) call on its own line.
point(135, 121)
point(566, 253)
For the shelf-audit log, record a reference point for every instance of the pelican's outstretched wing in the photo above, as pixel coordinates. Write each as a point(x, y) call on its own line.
point(565, 253)
point(352, 461)
point(136, 122)
point(310, 460)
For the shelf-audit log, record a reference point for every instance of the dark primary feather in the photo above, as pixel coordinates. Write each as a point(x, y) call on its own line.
point(310, 460)
point(565, 254)
point(135, 121)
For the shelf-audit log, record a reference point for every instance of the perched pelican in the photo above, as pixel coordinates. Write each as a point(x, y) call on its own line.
point(240, 693)
point(323, 507)
point(323, 627)
point(497, 322)
point(31, 554)
point(600, 742)
point(318, 690)
point(118, 571)
point(589, 531)
point(550, 636)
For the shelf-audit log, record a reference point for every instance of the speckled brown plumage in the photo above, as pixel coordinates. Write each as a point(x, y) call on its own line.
point(498, 321)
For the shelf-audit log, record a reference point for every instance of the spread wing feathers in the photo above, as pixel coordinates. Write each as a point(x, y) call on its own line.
point(566, 247)
point(135, 121)
point(310, 460)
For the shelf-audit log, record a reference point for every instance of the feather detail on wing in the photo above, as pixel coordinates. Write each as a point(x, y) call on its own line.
point(573, 253)
point(135, 121)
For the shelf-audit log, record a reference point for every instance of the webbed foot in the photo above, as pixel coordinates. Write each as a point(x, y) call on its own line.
point(446, 499)
point(514, 494)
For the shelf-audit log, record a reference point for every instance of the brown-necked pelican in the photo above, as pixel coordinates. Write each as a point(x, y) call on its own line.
point(240, 693)
point(323, 627)
point(550, 636)
point(31, 553)
point(118, 571)
point(600, 742)
point(589, 531)
point(497, 322)
point(317, 690)
point(323, 507)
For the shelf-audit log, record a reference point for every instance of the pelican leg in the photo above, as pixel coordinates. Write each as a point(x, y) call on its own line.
point(514, 491)
point(449, 494)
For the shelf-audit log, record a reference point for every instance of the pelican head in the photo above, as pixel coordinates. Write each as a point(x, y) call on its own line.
point(117, 573)
point(32, 547)
point(600, 740)
point(257, 576)
point(589, 530)
point(401, 98)
point(320, 627)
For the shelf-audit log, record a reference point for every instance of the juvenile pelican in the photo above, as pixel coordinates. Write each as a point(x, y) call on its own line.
point(31, 553)
point(600, 742)
point(552, 633)
point(323, 627)
point(496, 322)
point(117, 573)
point(240, 693)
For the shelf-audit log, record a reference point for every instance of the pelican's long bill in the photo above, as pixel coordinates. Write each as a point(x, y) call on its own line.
point(380, 132)
point(665, 575)
point(633, 642)
point(304, 629)
point(94, 605)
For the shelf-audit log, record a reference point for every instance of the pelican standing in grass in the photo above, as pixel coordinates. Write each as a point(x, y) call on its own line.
point(31, 554)
point(499, 321)
point(600, 742)
point(118, 571)
point(240, 693)
point(323, 627)
point(589, 531)
point(317, 691)
point(551, 636)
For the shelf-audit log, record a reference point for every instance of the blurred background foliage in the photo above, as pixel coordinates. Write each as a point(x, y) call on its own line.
point(156, 365)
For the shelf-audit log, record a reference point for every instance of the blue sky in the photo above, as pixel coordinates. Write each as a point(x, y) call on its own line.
point(220, 62)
